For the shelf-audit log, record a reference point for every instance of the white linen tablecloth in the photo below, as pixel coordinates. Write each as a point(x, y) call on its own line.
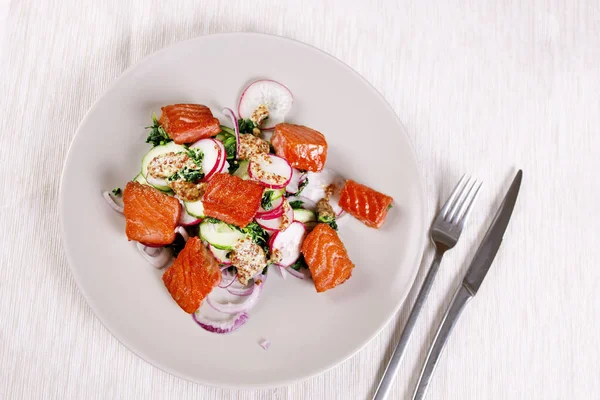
point(483, 87)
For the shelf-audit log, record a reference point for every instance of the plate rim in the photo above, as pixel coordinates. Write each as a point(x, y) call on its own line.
point(280, 382)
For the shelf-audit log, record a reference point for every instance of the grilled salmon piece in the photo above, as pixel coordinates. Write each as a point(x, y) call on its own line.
point(364, 203)
point(150, 215)
point(303, 147)
point(326, 258)
point(232, 199)
point(188, 123)
point(192, 276)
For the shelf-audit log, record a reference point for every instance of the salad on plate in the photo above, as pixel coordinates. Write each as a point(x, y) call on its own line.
point(220, 207)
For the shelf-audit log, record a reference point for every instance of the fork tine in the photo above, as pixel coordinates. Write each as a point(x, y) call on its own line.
point(461, 199)
point(457, 190)
point(465, 210)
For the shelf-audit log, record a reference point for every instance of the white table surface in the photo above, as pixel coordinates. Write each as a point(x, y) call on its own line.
point(482, 87)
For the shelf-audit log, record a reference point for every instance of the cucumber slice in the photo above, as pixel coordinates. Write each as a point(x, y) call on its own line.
point(277, 193)
point(242, 170)
point(170, 147)
point(220, 235)
point(227, 129)
point(194, 208)
point(139, 178)
point(304, 216)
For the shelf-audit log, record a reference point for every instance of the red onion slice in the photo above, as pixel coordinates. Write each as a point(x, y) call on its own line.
point(227, 281)
point(157, 257)
point(265, 344)
point(235, 308)
point(112, 203)
point(296, 274)
point(241, 292)
point(282, 271)
point(181, 230)
point(227, 326)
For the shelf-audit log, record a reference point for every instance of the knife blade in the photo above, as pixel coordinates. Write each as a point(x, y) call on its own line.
point(482, 261)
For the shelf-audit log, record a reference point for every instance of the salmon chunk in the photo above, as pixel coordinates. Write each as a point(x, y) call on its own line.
point(192, 276)
point(367, 205)
point(150, 215)
point(326, 258)
point(188, 123)
point(232, 199)
point(303, 147)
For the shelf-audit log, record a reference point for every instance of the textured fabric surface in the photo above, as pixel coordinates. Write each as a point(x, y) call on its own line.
point(482, 86)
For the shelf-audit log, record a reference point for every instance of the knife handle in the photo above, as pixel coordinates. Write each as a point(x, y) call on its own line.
point(460, 299)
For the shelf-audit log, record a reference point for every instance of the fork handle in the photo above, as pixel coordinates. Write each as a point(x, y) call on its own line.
point(391, 370)
point(460, 299)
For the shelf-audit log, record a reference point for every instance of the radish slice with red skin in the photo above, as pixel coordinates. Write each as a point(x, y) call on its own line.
point(186, 219)
point(288, 243)
point(274, 95)
point(229, 112)
point(293, 186)
point(275, 205)
point(272, 171)
point(275, 213)
point(220, 255)
point(307, 203)
point(214, 156)
point(225, 168)
point(275, 224)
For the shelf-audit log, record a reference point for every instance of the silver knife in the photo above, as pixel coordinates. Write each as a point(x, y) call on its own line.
point(470, 285)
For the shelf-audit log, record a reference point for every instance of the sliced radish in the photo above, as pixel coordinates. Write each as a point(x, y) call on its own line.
point(273, 171)
point(223, 156)
point(276, 213)
point(293, 186)
point(318, 182)
point(275, 224)
point(186, 219)
point(220, 255)
point(225, 168)
point(288, 243)
point(214, 154)
point(307, 203)
point(275, 207)
point(272, 94)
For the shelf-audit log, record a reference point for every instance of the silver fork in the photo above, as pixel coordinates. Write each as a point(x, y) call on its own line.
point(445, 231)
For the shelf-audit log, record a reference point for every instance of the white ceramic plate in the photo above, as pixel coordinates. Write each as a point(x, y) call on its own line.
point(309, 332)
